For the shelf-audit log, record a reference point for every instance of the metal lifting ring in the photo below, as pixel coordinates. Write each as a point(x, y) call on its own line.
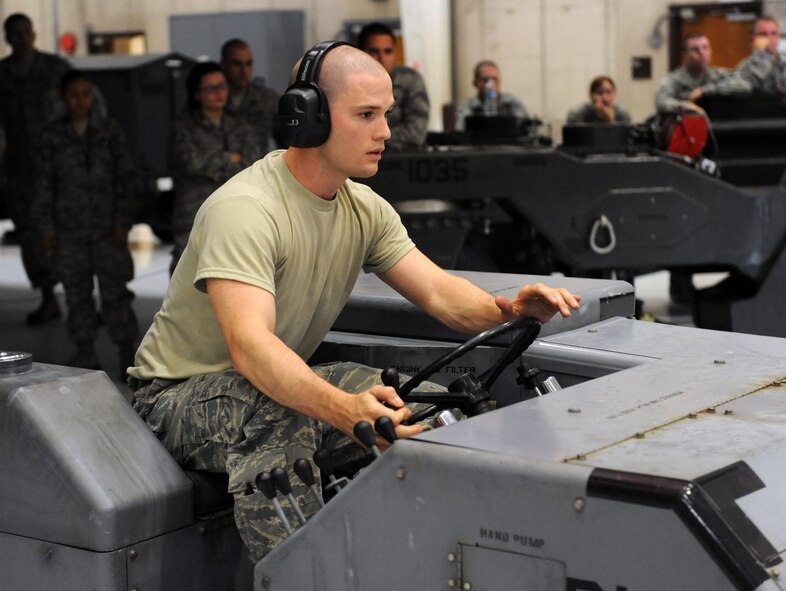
point(602, 222)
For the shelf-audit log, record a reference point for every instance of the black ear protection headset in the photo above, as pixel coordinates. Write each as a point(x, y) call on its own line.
point(303, 111)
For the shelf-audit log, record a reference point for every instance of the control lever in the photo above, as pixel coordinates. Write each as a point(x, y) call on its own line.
point(386, 429)
point(391, 378)
point(302, 468)
point(530, 377)
point(265, 483)
point(365, 434)
point(281, 479)
point(325, 465)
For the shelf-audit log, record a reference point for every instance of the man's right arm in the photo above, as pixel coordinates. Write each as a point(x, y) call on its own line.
point(247, 317)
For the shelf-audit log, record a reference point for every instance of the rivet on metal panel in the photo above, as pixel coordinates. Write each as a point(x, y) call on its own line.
point(49, 551)
point(265, 582)
point(452, 557)
point(132, 554)
point(711, 410)
point(775, 573)
point(451, 583)
point(581, 457)
point(692, 415)
point(728, 411)
point(401, 472)
point(640, 435)
point(202, 530)
point(719, 361)
point(467, 586)
point(579, 504)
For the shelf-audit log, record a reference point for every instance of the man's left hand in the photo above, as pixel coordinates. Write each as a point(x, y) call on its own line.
point(538, 301)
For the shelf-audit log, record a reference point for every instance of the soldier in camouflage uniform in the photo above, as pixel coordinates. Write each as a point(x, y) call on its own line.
point(221, 375)
point(507, 104)
point(84, 205)
point(685, 85)
point(29, 100)
point(207, 147)
point(256, 103)
point(408, 120)
point(764, 69)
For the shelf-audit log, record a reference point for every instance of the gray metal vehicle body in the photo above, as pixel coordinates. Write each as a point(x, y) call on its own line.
point(536, 210)
point(660, 467)
point(590, 487)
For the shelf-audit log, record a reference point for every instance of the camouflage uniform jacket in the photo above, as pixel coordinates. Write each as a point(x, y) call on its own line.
point(28, 101)
point(408, 120)
point(259, 106)
point(674, 89)
point(200, 153)
point(586, 113)
point(84, 185)
point(508, 105)
point(764, 72)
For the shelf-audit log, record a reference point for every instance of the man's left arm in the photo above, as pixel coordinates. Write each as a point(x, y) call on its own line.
point(465, 307)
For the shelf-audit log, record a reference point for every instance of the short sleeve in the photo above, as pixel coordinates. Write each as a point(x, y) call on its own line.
point(235, 238)
point(391, 240)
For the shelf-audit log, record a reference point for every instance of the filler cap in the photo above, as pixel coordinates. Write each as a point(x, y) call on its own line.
point(15, 362)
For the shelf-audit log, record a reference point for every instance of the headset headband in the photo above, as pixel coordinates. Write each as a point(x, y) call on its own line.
point(311, 64)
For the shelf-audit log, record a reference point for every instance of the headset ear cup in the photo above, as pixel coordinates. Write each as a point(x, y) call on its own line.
point(304, 117)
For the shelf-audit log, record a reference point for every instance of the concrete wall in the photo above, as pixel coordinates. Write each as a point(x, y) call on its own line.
point(548, 50)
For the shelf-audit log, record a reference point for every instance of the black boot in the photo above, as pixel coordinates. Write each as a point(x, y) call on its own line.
point(48, 311)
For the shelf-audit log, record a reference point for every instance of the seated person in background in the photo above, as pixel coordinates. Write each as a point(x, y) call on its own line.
point(601, 107)
point(487, 72)
point(764, 69)
point(408, 121)
point(685, 85)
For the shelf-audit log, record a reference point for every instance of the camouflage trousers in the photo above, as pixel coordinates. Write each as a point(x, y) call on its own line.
point(221, 423)
point(39, 265)
point(79, 260)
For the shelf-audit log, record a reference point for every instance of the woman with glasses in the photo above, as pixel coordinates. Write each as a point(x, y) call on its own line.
point(601, 107)
point(207, 147)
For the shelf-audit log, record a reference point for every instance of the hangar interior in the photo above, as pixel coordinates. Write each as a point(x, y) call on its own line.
point(647, 454)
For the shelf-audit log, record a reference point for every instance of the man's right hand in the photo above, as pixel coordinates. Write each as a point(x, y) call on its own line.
point(374, 403)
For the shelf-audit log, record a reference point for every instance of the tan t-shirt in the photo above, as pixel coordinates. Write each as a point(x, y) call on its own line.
point(264, 228)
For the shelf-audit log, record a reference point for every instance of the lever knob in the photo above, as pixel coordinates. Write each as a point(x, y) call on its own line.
point(365, 433)
point(265, 483)
point(384, 426)
point(282, 480)
point(302, 468)
point(391, 378)
point(323, 461)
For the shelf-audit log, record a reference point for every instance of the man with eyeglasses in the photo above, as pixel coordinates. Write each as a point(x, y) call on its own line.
point(408, 120)
point(248, 99)
point(486, 72)
point(207, 147)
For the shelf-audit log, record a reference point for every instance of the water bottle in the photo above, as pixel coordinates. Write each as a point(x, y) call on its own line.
point(490, 99)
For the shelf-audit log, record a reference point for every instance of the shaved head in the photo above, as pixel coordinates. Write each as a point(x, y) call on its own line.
point(340, 63)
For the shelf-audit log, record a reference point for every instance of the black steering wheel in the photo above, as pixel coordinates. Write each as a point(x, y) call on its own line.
point(469, 393)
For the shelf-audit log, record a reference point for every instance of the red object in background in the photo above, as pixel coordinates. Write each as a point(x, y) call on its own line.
point(684, 134)
point(68, 43)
